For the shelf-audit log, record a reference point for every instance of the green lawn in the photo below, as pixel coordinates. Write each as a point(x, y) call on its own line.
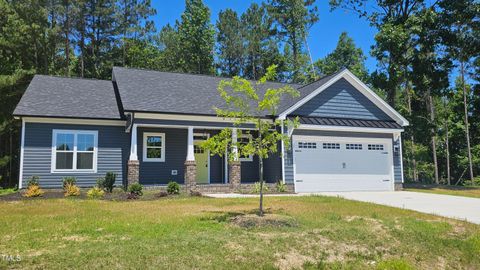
point(185, 233)
point(457, 191)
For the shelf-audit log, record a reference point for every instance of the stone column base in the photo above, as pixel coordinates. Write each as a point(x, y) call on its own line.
point(190, 175)
point(133, 172)
point(235, 174)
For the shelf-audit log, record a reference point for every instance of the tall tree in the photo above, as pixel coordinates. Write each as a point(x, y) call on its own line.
point(196, 37)
point(345, 55)
point(229, 43)
point(293, 19)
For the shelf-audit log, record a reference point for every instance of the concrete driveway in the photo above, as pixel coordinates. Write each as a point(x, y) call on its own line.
point(457, 207)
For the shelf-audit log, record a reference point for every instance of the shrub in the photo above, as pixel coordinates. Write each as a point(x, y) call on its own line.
point(69, 180)
point(33, 191)
point(71, 190)
point(136, 189)
point(173, 188)
point(95, 193)
point(33, 181)
point(101, 183)
point(256, 187)
point(109, 181)
point(281, 187)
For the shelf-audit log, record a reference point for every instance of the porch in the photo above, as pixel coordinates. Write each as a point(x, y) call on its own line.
point(162, 153)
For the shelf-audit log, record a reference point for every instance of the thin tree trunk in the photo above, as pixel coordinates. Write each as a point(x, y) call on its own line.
point(467, 132)
point(311, 59)
point(447, 146)
point(412, 139)
point(67, 39)
point(434, 141)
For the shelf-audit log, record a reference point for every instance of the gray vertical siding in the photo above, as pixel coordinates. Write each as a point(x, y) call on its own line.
point(113, 149)
point(288, 160)
point(341, 100)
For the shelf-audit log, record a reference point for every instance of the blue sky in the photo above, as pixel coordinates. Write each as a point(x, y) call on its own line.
point(323, 35)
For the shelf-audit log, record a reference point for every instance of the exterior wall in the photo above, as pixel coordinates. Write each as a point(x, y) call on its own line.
point(341, 100)
point(397, 159)
point(113, 152)
point(289, 170)
point(160, 173)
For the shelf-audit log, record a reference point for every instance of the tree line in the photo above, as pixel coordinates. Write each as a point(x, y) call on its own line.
point(427, 60)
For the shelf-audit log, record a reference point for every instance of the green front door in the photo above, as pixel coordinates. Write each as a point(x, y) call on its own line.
point(201, 159)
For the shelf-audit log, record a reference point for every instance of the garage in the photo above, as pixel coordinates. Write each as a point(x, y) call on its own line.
point(342, 164)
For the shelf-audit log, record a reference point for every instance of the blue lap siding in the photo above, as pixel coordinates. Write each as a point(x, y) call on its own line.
point(341, 100)
point(113, 150)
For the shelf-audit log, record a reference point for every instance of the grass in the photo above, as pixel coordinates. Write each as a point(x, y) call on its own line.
point(6, 191)
point(195, 232)
point(473, 192)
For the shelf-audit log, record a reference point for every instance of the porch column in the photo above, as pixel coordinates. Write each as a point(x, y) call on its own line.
point(190, 177)
point(133, 165)
point(235, 164)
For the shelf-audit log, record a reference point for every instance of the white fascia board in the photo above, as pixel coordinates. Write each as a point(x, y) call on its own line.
point(350, 129)
point(359, 85)
point(74, 121)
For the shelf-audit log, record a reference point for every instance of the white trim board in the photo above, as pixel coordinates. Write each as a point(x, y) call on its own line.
point(360, 86)
point(72, 121)
point(349, 129)
point(22, 150)
point(186, 117)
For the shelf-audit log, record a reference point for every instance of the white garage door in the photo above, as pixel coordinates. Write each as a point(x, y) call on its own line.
point(342, 164)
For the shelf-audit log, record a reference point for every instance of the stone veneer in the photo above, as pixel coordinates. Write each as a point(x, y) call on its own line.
point(190, 175)
point(133, 172)
point(235, 174)
point(398, 186)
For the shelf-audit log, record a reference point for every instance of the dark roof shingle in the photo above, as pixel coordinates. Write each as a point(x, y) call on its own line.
point(52, 96)
point(326, 121)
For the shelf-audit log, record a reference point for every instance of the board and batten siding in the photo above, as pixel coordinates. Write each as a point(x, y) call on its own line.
point(113, 152)
point(341, 100)
point(289, 166)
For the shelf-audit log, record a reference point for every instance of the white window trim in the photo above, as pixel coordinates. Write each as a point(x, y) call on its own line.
point(250, 157)
point(75, 135)
point(145, 158)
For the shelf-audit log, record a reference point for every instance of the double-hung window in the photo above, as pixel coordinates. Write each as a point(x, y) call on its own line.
point(74, 151)
point(245, 139)
point(154, 147)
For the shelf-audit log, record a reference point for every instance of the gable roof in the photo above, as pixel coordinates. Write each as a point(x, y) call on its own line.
point(68, 97)
point(354, 81)
point(168, 92)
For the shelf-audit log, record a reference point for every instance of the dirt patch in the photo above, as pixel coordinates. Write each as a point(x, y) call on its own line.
point(267, 220)
point(292, 260)
point(75, 238)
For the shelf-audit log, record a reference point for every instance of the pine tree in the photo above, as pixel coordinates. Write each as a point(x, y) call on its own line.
point(230, 49)
point(196, 38)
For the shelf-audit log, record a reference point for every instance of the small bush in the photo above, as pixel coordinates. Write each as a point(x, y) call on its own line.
point(101, 183)
point(136, 189)
point(33, 181)
point(173, 188)
point(474, 183)
point(69, 180)
point(95, 193)
point(256, 187)
point(33, 191)
point(109, 181)
point(280, 186)
point(71, 190)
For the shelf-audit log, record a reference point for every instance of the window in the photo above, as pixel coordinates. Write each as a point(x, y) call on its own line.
point(331, 146)
point(378, 147)
point(153, 147)
point(310, 145)
point(354, 146)
point(74, 151)
point(245, 139)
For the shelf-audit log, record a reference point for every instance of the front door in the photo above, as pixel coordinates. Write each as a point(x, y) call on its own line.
point(202, 161)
